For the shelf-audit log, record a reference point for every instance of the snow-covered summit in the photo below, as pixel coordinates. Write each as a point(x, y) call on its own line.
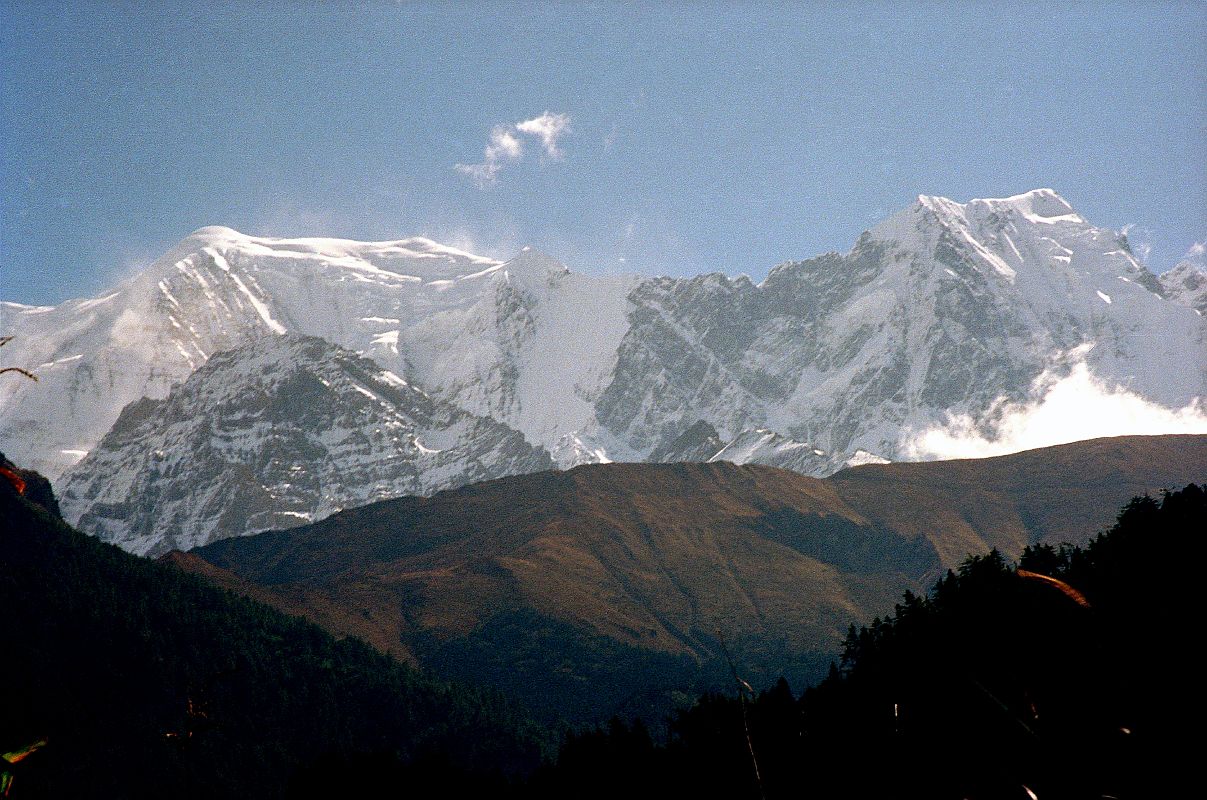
point(415, 250)
point(1043, 206)
point(532, 269)
point(448, 317)
point(943, 307)
point(281, 431)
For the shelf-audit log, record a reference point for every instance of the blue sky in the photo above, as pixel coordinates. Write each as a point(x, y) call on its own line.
point(723, 137)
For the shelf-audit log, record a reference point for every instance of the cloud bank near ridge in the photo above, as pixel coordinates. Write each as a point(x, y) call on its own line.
point(1060, 409)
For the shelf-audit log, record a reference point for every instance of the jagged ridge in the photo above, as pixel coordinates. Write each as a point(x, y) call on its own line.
point(282, 431)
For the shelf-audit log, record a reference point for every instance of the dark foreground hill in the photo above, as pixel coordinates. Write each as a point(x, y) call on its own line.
point(606, 588)
point(1073, 676)
point(146, 682)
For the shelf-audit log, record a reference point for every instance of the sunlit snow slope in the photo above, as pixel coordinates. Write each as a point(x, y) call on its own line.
point(495, 338)
point(945, 308)
point(281, 431)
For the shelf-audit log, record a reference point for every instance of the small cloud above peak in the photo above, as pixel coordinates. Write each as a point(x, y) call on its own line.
point(1195, 254)
point(502, 147)
point(505, 145)
point(549, 128)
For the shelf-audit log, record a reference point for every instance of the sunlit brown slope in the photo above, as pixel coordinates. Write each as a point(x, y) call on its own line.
point(1054, 494)
point(662, 556)
point(671, 557)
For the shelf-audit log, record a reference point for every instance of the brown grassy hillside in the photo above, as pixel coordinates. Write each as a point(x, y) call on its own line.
point(672, 558)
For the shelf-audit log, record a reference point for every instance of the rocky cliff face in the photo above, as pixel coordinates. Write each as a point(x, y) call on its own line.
point(943, 308)
point(1187, 284)
point(282, 431)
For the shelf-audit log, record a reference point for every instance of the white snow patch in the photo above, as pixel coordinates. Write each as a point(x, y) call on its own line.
point(392, 379)
point(388, 339)
point(419, 446)
point(862, 457)
point(24, 309)
point(256, 302)
point(1106, 298)
point(1053, 220)
point(1010, 242)
point(298, 514)
point(59, 361)
point(995, 261)
point(163, 287)
point(86, 304)
point(481, 273)
point(1056, 245)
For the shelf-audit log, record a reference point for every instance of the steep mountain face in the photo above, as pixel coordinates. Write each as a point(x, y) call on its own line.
point(466, 326)
point(214, 291)
point(276, 433)
point(945, 307)
point(1187, 284)
point(671, 558)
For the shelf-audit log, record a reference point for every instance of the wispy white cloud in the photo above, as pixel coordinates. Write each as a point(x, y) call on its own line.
point(1060, 409)
point(1197, 254)
point(1140, 241)
point(506, 146)
point(503, 146)
point(548, 128)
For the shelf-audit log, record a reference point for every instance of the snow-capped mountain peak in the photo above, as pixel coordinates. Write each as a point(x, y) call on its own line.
point(944, 308)
point(281, 431)
point(213, 291)
point(532, 270)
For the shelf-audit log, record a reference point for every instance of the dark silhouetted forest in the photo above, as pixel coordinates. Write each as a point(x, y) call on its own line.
point(146, 682)
point(1066, 675)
